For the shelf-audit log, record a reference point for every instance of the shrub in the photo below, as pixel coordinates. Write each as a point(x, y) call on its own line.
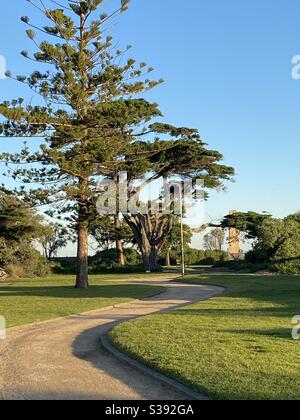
point(287, 258)
point(205, 257)
point(61, 265)
point(15, 271)
point(244, 266)
point(27, 262)
point(279, 242)
point(108, 258)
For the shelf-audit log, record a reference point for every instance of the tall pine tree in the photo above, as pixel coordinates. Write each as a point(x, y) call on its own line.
point(92, 118)
point(87, 96)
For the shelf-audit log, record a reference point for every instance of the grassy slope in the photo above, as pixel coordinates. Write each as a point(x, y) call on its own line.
point(27, 301)
point(237, 346)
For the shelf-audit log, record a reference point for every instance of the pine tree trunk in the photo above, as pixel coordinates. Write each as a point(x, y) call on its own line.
point(168, 259)
point(120, 253)
point(82, 279)
point(119, 244)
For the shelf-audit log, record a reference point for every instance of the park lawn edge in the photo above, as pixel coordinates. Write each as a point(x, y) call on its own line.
point(116, 338)
point(79, 304)
point(152, 366)
point(93, 311)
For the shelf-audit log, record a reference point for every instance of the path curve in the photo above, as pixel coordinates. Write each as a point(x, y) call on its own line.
point(63, 360)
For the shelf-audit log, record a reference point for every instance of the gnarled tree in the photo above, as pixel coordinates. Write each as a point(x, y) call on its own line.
point(89, 120)
point(186, 157)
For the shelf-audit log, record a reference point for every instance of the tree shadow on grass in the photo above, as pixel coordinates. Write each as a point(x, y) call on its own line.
point(256, 312)
point(100, 291)
point(259, 296)
point(283, 333)
point(87, 347)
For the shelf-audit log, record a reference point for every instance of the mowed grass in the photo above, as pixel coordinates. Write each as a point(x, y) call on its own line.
point(27, 301)
point(236, 346)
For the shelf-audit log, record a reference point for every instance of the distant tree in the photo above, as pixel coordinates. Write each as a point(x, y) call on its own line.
point(215, 239)
point(248, 223)
point(278, 244)
point(54, 238)
point(17, 220)
point(279, 241)
point(172, 245)
point(20, 226)
point(109, 231)
point(188, 158)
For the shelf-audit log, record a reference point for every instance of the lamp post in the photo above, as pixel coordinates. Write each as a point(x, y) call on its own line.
point(182, 236)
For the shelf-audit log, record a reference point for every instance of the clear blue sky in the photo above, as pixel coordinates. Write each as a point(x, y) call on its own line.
point(227, 67)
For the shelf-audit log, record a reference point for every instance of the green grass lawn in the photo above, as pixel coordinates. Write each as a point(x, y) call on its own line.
point(27, 301)
point(236, 346)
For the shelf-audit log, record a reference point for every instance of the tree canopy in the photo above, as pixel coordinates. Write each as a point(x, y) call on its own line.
point(279, 242)
point(20, 226)
point(248, 223)
point(92, 119)
point(18, 221)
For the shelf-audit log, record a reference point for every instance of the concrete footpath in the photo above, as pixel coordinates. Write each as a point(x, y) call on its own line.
point(62, 359)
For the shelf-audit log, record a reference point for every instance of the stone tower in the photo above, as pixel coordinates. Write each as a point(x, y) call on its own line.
point(234, 242)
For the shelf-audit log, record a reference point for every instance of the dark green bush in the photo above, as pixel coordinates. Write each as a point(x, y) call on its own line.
point(63, 265)
point(279, 243)
point(26, 262)
point(287, 258)
point(198, 257)
point(102, 263)
point(205, 257)
point(108, 258)
point(244, 266)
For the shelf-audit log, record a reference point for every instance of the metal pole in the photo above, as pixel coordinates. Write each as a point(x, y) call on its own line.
point(182, 235)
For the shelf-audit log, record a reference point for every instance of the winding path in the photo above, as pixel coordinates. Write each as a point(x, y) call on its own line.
point(62, 359)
